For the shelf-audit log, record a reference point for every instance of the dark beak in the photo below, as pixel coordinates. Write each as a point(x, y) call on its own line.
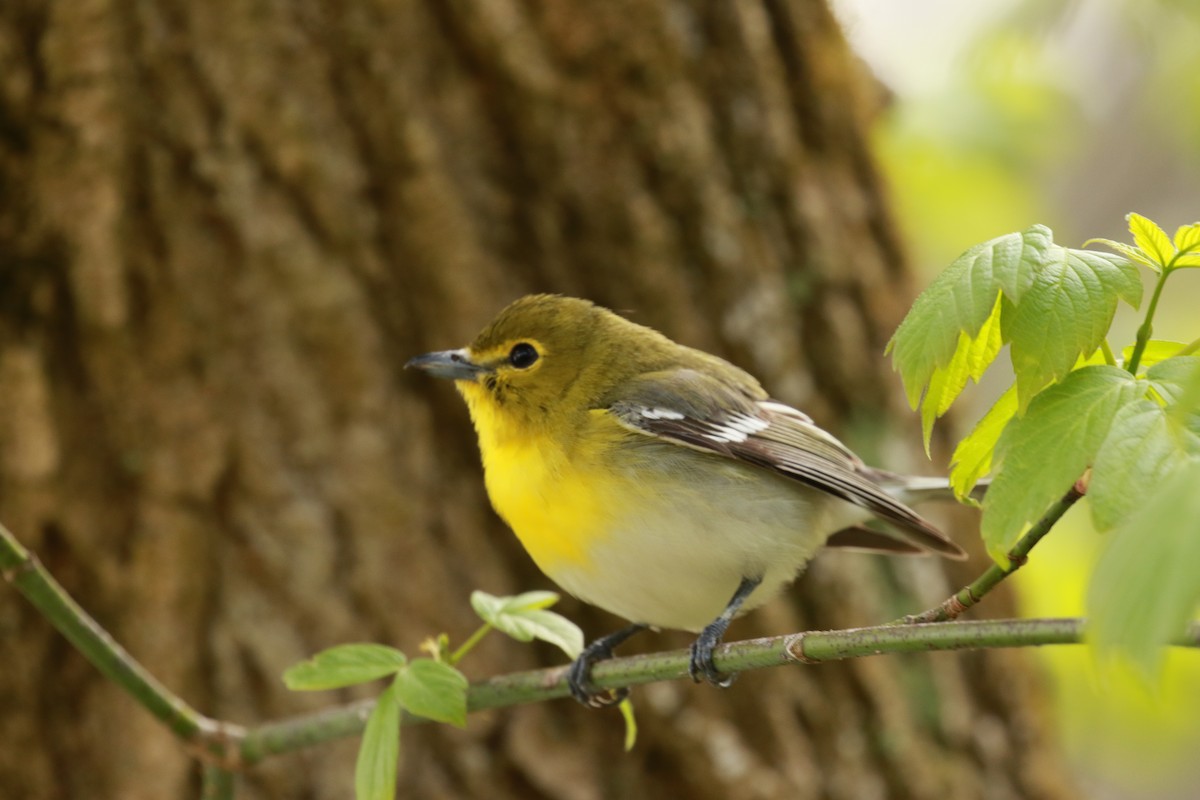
point(455, 365)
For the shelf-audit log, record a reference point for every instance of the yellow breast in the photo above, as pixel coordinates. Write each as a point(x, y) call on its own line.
point(548, 497)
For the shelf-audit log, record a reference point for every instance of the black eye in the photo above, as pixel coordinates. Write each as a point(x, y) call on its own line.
point(522, 355)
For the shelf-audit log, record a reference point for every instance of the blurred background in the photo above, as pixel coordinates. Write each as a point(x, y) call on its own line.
point(1072, 114)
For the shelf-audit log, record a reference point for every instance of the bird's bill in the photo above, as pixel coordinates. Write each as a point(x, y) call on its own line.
point(455, 365)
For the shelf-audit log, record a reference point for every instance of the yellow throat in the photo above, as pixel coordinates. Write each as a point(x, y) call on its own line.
point(545, 496)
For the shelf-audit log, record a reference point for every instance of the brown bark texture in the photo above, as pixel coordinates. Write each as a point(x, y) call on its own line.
point(224, 227)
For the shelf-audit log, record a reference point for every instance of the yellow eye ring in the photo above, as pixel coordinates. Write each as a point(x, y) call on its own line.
point(523, 355)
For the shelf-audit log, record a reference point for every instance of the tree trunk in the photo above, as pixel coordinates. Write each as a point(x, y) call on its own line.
point(224, 227)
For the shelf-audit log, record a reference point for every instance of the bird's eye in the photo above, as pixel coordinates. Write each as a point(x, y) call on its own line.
point(522, 355)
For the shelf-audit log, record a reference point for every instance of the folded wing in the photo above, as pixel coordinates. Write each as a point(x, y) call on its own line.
point(700, 411)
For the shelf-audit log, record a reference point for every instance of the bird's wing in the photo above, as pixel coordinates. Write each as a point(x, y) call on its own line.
point(700, 411)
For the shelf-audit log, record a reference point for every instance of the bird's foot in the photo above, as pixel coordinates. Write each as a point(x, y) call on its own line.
point(579, 678)
point(701, 666)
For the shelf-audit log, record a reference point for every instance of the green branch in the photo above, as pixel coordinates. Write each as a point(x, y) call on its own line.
point(811, 647)
point(23, 570)
point(972, 593)
point(1146, 329)
point(225, 747)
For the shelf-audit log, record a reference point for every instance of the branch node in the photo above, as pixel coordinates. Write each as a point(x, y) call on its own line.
point(218, 744)
point(794, 647)
point(952, 608)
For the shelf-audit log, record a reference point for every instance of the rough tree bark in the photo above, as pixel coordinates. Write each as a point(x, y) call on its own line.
point(225, 225)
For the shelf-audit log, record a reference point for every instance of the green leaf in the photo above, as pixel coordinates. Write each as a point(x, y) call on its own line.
point(1176, 381)
point(961, 300)
point(488, 606)
point(970, 361)
point(1146, 587)
point(1018, 261)
point(1151, 239)
point(1156, 350)
point(1142, 448)
point(433, 690)
point(523, 618)
point(1187, 241)
point(344, 665)
point(973, 455)
point(1040, 455)
point(1171, 378)
point(1066, 314)
point(631, 728)
point(1187, 238)
point(1132, 253)
point(1184, 407)
point(379, 753)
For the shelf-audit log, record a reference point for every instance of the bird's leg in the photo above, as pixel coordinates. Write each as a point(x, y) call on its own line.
point(701, 665)
point(579, 674)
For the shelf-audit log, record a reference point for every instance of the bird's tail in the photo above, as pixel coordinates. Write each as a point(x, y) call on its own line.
point(914, 489)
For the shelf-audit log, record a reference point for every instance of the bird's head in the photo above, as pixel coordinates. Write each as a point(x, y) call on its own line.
point(544, 359)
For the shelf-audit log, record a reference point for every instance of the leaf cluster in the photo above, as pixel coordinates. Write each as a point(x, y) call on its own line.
point(1127, 429)
point(430, 687)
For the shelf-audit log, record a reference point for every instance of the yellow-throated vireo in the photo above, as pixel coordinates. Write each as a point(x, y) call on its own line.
point(657, 481)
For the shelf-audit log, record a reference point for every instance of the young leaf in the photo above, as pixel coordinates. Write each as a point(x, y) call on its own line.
point(1142, 448)
point(433, 690)
point(547, 626)
point(1187, 238)
point(973, 456)
point(1040, 455)
point(970, 361)
point(438, 647)
point(1187, 241)
point(1151, 239)
point(344, 665)
point(489, 606)
point(1156, 350)
point(1172, 377)
point(1183, 394)
point(379, 753)
point(1066, 314)
point(631, 729)
point(1146, 586)
point(961, 300)
point(523, 618)
point(1132, 253)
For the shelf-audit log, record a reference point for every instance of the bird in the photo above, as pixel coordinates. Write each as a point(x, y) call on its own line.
point(660, 482)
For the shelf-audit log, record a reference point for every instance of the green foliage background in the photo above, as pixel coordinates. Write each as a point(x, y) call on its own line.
point(1002, 114)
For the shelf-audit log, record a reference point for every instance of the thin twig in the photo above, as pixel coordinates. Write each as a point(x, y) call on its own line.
point(209, 738)
point(972, 593)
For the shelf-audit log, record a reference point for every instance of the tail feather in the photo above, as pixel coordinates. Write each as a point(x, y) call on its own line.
point(868, 540)
point(919, 488)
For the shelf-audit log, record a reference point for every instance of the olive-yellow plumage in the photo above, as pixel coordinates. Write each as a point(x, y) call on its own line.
point(657, 481)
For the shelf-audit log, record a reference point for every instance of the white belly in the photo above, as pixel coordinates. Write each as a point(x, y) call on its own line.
point(677, 553)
